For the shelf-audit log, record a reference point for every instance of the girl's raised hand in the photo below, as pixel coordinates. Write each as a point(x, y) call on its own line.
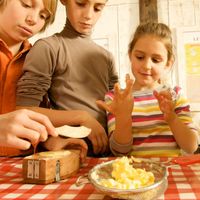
point(123, 100)
point(166, 104)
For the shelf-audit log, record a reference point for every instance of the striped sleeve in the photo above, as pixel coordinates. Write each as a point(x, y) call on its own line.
point(182, 108)
point(110, 116)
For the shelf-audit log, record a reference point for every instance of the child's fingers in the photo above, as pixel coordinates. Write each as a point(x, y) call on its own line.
point(80, 144)
point(103, 105)
point(19, 143)
point(37, 131)
point(169, 94)
point(83, 155)
point(75, 143)
point(166, 94)
point(127, 77)
point(159, 96)
point(129, 85)
point(117, 89)
point(44, 120)
point(155, 93)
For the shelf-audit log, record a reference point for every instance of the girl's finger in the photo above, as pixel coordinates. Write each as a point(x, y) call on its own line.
point(158, 96)
point(116, 89)
point(129, 87)
point(166, 94)
point(127, 77)
point(155, 93)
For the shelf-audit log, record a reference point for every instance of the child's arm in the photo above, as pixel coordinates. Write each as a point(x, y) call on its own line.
point(121, 107)
point(185, 137)
point(22, 128)
point(98, 135)
point(58, 143)
point(39, 71)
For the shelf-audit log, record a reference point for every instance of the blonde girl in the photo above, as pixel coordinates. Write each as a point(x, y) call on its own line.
point(148, 118)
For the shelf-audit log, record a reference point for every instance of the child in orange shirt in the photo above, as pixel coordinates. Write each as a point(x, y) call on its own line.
point(20, 20)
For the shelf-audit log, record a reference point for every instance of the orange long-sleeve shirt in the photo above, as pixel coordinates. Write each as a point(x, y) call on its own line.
point(10, 71)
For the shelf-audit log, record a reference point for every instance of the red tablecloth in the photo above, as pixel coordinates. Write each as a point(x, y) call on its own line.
point(184, 183)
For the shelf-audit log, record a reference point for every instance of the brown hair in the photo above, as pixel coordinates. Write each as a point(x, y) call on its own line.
point(2, 4)
point(50, 5)
point(158, 30)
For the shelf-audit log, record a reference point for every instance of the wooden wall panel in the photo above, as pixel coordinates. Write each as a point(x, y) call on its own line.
point(148, 10)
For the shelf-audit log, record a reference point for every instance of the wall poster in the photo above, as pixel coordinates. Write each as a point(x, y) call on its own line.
point(188, 73)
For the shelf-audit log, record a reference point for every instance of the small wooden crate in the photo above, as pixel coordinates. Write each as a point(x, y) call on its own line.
point(51, 166)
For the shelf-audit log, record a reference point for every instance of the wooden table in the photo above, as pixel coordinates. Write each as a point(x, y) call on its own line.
point(184, 183)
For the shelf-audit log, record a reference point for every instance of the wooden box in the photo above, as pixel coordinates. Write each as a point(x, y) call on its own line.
point(50, 166)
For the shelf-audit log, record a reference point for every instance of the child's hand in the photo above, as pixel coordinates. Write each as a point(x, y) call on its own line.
point(22, 128)
point(166, 104)
point(59, 143)
point(123, 100)
point(80, 144)
point(98, 136)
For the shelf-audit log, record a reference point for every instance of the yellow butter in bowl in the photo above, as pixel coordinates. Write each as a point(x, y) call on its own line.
point(125, 176)
point(130, 178)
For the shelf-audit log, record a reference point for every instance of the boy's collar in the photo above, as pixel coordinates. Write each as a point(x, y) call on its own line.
point(71, 29)
point(25, 46)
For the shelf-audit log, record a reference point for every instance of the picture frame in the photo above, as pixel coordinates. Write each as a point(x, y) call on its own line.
point(188, 64)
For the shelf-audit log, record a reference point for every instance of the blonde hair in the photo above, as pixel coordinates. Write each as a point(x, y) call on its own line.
point(158, 30)
point(50, 5)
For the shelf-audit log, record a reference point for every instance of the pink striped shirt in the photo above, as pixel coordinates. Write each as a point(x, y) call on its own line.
point(151, 134)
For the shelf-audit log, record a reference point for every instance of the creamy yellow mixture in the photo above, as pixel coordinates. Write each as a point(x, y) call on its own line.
point(124, 176)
